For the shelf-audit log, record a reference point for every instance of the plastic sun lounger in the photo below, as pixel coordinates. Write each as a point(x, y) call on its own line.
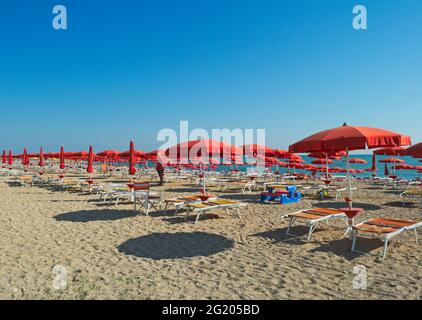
point(312, 217)
point(383, 229)
point(209, 205)
point(411, 194)
point(181, 202)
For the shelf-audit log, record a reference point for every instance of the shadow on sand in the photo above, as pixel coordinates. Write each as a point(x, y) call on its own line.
point(338, 205)
point(178, 245)
point(95, 215)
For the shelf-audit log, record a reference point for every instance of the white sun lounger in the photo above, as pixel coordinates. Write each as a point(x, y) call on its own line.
point(383, 229)
point(312, 217)
point(209, 205)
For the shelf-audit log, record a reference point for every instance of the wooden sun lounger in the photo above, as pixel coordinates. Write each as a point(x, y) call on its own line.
point(384, 229)
point(411, 194)
point(312, 217)
point(215, 204)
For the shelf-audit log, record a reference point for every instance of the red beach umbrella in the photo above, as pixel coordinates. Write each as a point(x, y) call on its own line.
point(90, 168)
point(358, 160)
point(204, 148)
point(346, 138)
point(108, 154)
point(10, 160)
point(386, 173)
point(391, 160)
point(41, 163)
point(132, 158)
point(253, 150)
point(374, 163)
point(4, 157)
point(415, 150)
point(322, 161)
point(61, 156)
point(25, 157)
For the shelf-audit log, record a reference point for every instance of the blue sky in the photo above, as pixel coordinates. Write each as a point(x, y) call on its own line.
point(127, 69)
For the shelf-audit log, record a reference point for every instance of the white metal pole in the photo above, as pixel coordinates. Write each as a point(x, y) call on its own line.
point(349, 178)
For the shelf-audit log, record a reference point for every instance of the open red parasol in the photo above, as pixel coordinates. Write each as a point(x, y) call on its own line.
point(346, 138)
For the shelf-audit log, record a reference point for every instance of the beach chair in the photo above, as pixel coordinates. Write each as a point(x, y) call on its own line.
point(24, 180)
point(146, 199)
point(181, 202)
point(312, 217)
point(383, 229)
point(211, 205)
point(413, 193)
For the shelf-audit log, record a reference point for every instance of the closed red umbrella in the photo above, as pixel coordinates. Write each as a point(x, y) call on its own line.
point(4, 157)
point(374, 163)
point(25, 159)
point(132, 158)
point(62, 157)
point(91, 155)
point(10, 160)
point(386, 173)
point(41, 163)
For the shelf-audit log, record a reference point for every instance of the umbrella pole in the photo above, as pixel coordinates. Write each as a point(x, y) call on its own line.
point(326, 166)
point(349, 178)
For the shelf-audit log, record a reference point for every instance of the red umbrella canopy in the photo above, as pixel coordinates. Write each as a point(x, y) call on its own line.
point(204, 148)
point(358, 160)
point(41, 163)
point(322, 161)
point(331, 155)
point(136, 153)
point(132, 159)
point(391, 160)
point(61, 156)
point(4, 157)
point(257, 149)
point(10, 160)
point(90, 168)
point(351, 138)
point(108, 153)
point(405, 166)
point(282, 154)
point(415, 150)
point(392, 151)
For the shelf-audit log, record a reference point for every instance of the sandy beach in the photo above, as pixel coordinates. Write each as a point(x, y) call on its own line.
point(111, 253)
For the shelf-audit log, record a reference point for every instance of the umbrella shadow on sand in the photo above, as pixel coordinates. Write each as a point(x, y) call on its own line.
point(338, 205)
point(95, 215)
point(399, 204)
point(158, 246)
point(244, 197)
point(342, 247)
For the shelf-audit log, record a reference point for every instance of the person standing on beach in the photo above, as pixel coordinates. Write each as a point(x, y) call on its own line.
point(160, 170)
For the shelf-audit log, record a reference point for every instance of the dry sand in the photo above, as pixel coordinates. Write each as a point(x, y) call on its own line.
point(110, 253)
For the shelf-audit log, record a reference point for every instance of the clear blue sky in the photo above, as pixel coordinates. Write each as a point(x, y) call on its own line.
point(126, 69)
